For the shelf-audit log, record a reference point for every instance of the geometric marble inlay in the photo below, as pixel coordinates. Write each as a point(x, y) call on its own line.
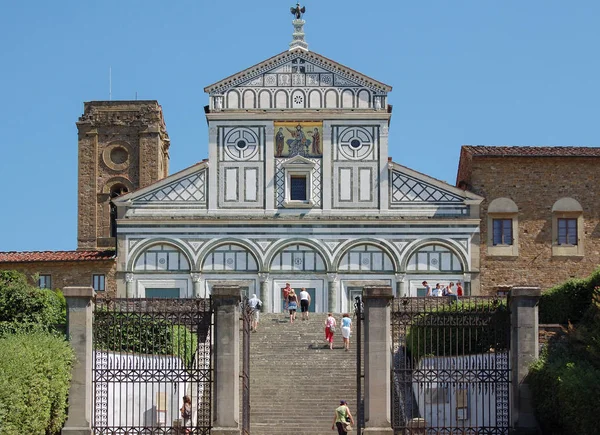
point(190, 188)
point(405, 188)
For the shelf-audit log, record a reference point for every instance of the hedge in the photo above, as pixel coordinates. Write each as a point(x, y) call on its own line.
point(433, 333)
point(569, 301)
point(143, 334)
point(35, 371)
point(565, 381)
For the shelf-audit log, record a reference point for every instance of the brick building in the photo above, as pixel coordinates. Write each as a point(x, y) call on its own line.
point(540, 217)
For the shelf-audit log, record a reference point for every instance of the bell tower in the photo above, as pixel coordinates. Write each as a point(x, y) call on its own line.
point(123, 146)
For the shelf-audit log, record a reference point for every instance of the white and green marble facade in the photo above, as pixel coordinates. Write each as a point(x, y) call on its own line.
point(231, 219)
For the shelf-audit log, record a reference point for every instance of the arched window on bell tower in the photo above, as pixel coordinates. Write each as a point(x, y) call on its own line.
point(115, 191)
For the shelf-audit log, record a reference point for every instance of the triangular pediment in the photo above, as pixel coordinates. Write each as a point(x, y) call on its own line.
point(187, 186)
point(298, 162)
point(298, 68)
point(409, 186)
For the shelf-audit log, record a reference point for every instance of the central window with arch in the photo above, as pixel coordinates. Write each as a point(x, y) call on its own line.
point(366, 258)
point(298, 258)
point(434, 258)
point(160, 258)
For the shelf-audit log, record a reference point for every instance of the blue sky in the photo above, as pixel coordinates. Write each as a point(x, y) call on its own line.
point(492, 72)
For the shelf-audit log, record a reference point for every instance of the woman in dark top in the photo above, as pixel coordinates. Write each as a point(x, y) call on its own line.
point(292, 305)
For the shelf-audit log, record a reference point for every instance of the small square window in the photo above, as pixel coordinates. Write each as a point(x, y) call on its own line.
point(98, 282)
point(298, 188)
point(45, 281)
point(502, 232)
point(567, 231)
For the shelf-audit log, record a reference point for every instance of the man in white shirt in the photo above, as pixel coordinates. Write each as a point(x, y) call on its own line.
point(304, 303)
point(437, 291)
point(256, 305)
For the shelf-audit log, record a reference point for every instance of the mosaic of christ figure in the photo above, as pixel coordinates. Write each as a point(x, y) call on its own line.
point(298, 139)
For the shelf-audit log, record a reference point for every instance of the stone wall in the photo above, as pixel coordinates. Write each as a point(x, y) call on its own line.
point(68, 273)
point(535, 184)
point(121, 144)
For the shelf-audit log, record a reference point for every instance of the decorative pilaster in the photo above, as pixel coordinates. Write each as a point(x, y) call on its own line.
point(129, 279)
point(332, 291)
point(265, 295)
point(199, 287)
point(400, 290)
point(79, 331)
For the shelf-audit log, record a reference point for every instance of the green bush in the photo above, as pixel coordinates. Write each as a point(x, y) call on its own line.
point(144, 334)
point(568, 302)
point(434, 333)
point(565, 381)
point(35, 371)
point(27, 308)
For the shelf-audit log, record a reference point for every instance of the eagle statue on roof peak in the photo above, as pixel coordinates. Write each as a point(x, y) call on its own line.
point(298, 11)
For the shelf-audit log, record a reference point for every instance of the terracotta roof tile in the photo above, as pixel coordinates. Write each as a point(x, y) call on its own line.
point(545, 151)
point(33, 256)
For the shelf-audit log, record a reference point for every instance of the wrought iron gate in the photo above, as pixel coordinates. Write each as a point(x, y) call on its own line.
point(360, 375)
point(450, 370)
point(148, 355)
point(247, 314)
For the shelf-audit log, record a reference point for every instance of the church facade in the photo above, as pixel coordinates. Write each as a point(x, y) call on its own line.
point(298, 187)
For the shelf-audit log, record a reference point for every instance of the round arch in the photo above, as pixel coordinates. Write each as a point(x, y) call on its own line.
point(211, 246)
point(278, 247)
point(147, 245)
point(117, 180)
point(371, 242)
point(451, 245)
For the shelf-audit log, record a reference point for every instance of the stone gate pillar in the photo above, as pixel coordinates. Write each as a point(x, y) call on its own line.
point(79, 331)
point(378, 348)
point(524, 349)
point(227, 360)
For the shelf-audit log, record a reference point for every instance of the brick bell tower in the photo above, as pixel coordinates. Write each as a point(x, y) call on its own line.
point(123, 146)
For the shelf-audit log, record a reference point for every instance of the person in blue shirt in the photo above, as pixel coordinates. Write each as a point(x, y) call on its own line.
point(346, 330)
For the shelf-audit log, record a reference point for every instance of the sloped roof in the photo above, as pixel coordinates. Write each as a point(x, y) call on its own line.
point(39, 256)
point(530, 151)
point(286, 56)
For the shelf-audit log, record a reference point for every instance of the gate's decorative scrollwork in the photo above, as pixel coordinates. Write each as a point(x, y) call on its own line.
point(450, 370)
point(148, 355)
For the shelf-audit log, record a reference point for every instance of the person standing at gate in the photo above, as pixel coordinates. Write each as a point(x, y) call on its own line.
point(304, 303)
point(346, 330)
point(459, 289)
point(342, 418)
point(427, 288)
point(186, 412)
point(255, 305)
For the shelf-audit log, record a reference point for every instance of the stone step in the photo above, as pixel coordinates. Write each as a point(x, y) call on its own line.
point(296, 381)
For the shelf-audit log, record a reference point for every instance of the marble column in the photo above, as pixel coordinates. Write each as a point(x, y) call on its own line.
point(332, 292)
point(265, 294)
point(378, 355)
point(199, 288)
point(130, 286)
point(401, 289)
point(79, 331)
point(227, 360)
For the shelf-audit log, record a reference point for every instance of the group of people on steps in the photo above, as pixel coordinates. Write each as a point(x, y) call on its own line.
point(291, 301)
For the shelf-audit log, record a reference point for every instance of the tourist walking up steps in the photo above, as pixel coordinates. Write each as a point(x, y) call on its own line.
point(255, 304)
point(304, 303)
point(346, 330)
point(330, 324)
point(342, 418)
point(292, 305)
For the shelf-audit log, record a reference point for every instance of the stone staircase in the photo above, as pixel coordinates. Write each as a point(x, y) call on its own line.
point(296, 381)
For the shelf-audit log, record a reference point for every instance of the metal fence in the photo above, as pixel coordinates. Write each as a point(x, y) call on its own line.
point(451, 369)
point(148, 355)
